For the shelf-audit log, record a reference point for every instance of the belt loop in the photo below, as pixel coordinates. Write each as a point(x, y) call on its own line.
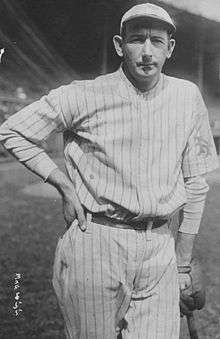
point(149, 230)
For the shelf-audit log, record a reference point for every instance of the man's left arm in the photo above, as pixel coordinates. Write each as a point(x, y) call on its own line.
point(191, 284)
point(196, 190)
point(199, 158)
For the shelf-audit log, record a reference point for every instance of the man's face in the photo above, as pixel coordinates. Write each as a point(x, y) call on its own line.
point(144, 50)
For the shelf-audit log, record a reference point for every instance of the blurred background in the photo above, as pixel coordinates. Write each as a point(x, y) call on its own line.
point(46, 43)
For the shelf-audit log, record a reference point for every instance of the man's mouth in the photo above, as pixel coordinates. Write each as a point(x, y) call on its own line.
point(145, 64)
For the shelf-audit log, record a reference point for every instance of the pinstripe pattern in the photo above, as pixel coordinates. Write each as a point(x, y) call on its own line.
point(106, 274)
point(127, 152)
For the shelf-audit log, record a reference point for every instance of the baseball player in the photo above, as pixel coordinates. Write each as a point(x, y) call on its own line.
point(137, 144)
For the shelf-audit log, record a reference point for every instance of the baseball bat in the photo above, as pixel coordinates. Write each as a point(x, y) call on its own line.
point(192, 326)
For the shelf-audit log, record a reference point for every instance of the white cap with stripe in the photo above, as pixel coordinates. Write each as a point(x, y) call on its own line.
point(150, 12)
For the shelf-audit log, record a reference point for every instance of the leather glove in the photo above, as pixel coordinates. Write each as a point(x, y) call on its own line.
point(192, 298)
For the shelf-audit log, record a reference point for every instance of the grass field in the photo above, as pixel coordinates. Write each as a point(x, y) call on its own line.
point(30, 226)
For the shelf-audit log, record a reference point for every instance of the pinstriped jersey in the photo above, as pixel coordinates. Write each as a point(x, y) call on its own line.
point(127, 152)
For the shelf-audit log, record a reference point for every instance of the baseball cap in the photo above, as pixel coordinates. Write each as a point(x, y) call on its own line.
point(150, 12)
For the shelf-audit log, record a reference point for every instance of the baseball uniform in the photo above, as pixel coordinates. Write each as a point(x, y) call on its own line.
point(128, 154)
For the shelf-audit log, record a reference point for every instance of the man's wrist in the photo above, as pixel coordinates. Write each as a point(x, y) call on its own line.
point(61, 182)
point(66, 190)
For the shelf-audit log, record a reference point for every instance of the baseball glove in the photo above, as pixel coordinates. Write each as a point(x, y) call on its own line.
point(192, 298)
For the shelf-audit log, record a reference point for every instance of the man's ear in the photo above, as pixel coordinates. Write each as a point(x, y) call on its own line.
point(117, 40)
point(171, 47)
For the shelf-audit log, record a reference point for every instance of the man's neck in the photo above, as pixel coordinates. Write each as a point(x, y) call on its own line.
point(143, 86)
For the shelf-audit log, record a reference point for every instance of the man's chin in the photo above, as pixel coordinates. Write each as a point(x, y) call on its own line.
point(145, 76)
point(145, 81)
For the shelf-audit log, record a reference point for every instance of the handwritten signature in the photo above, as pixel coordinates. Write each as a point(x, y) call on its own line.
point(17, 303)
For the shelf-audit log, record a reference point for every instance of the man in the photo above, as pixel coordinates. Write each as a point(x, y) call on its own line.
point(137, 144)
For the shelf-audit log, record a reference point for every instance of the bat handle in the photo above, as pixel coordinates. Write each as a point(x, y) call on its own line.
point(192, 326)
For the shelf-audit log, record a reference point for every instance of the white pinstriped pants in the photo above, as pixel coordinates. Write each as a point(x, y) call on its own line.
point(107, 277)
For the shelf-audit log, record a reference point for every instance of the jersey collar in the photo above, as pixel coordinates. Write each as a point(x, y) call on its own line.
point(146, 94)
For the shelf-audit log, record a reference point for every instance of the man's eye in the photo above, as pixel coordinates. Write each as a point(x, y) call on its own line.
point(136, 39)
point(157, 41)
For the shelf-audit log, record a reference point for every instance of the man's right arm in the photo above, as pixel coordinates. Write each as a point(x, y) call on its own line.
point(23, 133)
point(72, 208)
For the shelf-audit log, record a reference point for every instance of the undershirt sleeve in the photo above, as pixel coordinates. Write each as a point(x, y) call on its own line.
point(196, 190)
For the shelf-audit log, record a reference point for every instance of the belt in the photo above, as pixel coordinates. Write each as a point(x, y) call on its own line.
point(153, 222)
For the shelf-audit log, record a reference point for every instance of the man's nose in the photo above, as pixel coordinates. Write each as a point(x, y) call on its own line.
point(147, 49)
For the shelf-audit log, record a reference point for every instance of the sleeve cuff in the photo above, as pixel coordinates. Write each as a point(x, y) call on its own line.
point(199, 168)
point(42, 165)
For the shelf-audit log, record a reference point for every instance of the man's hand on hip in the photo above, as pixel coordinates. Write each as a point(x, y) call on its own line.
point(72, 208)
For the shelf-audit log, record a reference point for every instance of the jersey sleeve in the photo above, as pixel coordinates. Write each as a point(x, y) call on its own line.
point(23, 133)
point(200, 155)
